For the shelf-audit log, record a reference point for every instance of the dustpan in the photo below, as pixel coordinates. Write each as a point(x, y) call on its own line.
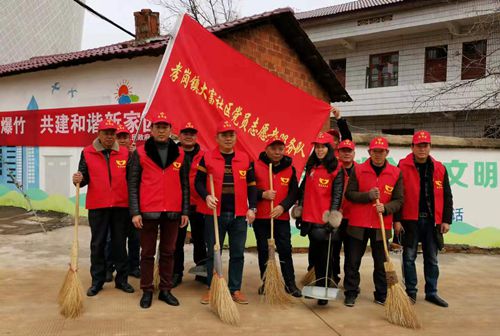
point(199, 270)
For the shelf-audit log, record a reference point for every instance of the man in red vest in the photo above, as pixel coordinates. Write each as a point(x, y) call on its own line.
point(425, 216)
point(193, 154)
point(374, 179)
point(284, 194)
point(235, 202)
point(102, 169)
point(158, 182)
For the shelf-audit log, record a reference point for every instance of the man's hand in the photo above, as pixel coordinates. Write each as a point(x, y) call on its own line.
point(269, 195)
point(380, 207)
point(137, 221)
point(184, 221)
point(77, 178)
point(211, 202)
point(445, 227)
point(250, 216)
point(398, 228)
point(277, 211)
point(374, 193)
point(336, 112)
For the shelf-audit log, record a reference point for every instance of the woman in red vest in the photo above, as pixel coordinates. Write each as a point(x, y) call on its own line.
point(102, 168)
point(158, 182)
point(284, 195)
point(374, 179)
point(321, 197)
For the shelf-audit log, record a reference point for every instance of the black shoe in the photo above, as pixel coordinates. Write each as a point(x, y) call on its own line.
point(168, 298)
point(293, 290)
point(201, 279)
point(413, 297)
point(136, 273)
point(125, 287)
point(436, 300)
point(146, 299)
point(109, 276)
point(350, 300)
point(93, 290)
point(176, 280)
point(261, 290)
point(322, 302)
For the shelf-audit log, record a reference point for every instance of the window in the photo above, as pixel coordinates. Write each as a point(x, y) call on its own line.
point(338, 67)
point(383, 70)
point(435, 64)
point(474, 59)
point(399, 131)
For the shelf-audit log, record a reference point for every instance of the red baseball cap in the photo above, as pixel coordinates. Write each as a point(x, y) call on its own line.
point(334, 133)
point(379, 143)
point(323, 138)
point(160, 117)
point(225, 126)
point(421, 137)
point(122, 129)
point(107, 124)
point(189, 126)
point(273, 141)
point(346, 144)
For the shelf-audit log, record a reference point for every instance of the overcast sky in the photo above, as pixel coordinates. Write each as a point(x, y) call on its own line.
point(97, 32)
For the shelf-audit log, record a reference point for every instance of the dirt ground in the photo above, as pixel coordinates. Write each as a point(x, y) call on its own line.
point(33, 266)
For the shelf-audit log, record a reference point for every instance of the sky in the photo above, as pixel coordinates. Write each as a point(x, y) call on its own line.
point(97, 33)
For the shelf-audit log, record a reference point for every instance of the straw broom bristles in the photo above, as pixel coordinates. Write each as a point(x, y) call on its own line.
point(274, 286)
point(309, 277)
point(221, 301)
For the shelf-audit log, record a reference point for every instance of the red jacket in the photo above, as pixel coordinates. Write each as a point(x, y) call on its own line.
point(318, 193)
point(411, 180)
point(195, 198)
point(160, 189)
point(214, 164)
point(105, 191)
point(365, 214)
point(281, 182)
point(346, 204)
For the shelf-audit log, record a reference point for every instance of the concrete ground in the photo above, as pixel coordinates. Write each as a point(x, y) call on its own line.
point(32, 268)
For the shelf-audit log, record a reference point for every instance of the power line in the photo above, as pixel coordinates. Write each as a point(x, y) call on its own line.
point(103, 17)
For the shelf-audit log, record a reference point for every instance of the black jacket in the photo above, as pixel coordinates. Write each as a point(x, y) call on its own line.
point(134, 172)
point(293, 186)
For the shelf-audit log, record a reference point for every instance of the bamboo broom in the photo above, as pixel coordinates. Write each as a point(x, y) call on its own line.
point(274, 286)
point(399, 309)
point(221, 301)
point(71, 293)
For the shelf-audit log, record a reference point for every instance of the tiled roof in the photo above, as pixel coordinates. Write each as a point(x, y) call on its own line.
point(344, 8)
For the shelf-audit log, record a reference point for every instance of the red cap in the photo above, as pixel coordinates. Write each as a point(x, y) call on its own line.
point(323, 138)
point(346, 144)
point(107, 124)
point(334, 133)
point(273, 141)
point(160, 117)
point(421, 137)
point(225, 126)
point(189, 126)
point(122, 129)
point(380, 143)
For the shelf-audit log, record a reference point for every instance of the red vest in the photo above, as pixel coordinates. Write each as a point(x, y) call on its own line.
point(101, 193)
point(281, 182)
point(214, 163)
point(365, 214)
point(160, 189)
point(195, 198)
point(318, 193)
point(346, 204)
point(411, 179)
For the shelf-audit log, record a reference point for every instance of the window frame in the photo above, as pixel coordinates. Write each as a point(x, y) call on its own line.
point(380, 76)
point(430, 64)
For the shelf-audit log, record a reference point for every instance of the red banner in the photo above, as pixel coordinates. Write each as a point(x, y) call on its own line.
point(66, 127)
point(204, 81)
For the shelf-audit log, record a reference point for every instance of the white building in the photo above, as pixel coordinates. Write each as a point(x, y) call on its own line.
point(39, 27)
point(396, 56)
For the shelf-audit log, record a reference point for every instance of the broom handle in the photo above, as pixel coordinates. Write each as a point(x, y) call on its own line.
point(382, 229)
point(216, 220)
point(272, 201)
point(74, 254)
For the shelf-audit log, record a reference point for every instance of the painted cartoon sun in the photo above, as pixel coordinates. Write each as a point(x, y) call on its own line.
point(124, 94)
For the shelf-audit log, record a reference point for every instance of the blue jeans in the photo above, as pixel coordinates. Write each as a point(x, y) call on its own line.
point(236, 228)
point(425, 234)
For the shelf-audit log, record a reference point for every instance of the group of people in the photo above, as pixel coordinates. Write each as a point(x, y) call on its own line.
point(159, 188)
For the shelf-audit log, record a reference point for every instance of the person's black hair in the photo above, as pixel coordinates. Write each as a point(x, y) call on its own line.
point(330, 162)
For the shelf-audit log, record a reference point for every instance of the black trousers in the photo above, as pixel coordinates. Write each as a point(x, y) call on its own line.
point(318, 244)
point(133, 245)
point(353, 254)
point(338, 240)
point(282, 238)
point(197, 225)
point(115, 220)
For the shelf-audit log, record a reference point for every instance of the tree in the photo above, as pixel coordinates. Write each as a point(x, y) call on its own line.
point(206, 12)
